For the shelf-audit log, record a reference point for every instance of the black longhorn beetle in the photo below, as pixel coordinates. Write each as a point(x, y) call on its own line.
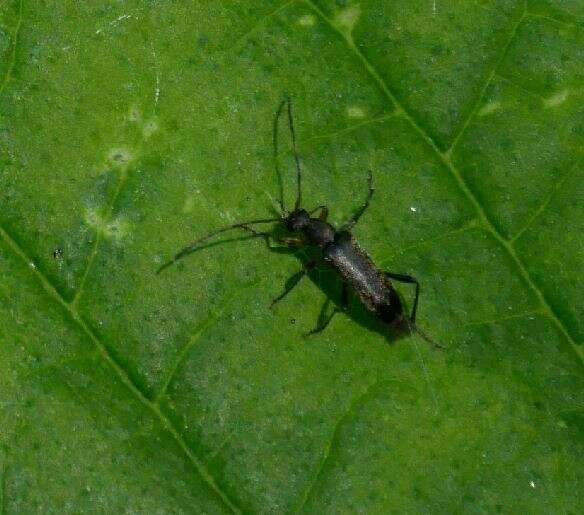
point(337, 247)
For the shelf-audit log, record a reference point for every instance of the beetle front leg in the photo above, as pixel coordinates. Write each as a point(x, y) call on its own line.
point(355, 218)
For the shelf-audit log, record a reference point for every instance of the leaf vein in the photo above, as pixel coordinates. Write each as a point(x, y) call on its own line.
point(541, 208)
point(500, 319)
point(497, 63)
point(257, 25)
point(431, 241)
point(122, 374)
point(521, 88)
point(3, 474)
point(329, 448)
point(199, 331)
point(98, 237)
point(351, 128)
point(12, 58)
point(463, 186)
point(557, 21)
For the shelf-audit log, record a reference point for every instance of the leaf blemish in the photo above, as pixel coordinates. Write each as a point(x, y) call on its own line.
point(134, 115)
point(348, 17)
point(115, 229)
point(308, 20)
point(355, 112)
point(189, 204)
point(489, 108)
point(120, 157)
point(555, 100)
point(149, 128)
point(115, 22)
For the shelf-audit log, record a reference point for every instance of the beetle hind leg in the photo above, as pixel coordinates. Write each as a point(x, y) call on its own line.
point(404, 278)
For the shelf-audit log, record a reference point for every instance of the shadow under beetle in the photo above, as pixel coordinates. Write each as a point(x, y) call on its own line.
point(337, 247)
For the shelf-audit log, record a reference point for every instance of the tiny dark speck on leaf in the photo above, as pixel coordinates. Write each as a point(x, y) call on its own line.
point(203, 41)
point(58, 253)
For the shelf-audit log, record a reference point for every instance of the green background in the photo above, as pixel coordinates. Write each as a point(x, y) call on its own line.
point(128, 128)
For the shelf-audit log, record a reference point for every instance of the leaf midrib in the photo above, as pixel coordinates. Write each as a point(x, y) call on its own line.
point(120, 372)
point(444, 158)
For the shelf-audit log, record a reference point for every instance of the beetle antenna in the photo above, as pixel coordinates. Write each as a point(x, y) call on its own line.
point(295, 152)
point(276, 155)
point(196, 245)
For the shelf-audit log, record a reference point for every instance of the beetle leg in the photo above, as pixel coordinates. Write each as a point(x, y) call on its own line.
point(293, 281)
point(404, 278)
point(292, 242)
point(355, 218)
point(323, 319)
point(323, 212)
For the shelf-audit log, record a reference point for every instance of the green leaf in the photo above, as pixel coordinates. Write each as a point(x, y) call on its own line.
point(127, 129)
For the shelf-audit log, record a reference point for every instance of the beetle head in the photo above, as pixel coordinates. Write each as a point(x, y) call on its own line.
point(297, 220)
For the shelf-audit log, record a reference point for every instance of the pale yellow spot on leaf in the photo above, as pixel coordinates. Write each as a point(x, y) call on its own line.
point(134, 115)
point(489, 108)
point(355, 112)
point(120, 157)
point(308, 20)
point(556, 99)
point(189, 204)
point(115, 229)
point(149, 128)
point(346, 18)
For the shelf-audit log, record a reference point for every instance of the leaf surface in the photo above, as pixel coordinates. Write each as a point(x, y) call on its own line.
point(128, 129)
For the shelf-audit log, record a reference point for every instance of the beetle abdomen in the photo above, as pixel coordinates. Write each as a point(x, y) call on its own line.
point(359, 272)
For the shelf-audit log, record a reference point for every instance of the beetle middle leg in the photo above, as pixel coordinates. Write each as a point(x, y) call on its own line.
point(404, 278)
point(323, 319)
point(355, 218)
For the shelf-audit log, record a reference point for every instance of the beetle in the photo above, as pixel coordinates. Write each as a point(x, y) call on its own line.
point(337, 248)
